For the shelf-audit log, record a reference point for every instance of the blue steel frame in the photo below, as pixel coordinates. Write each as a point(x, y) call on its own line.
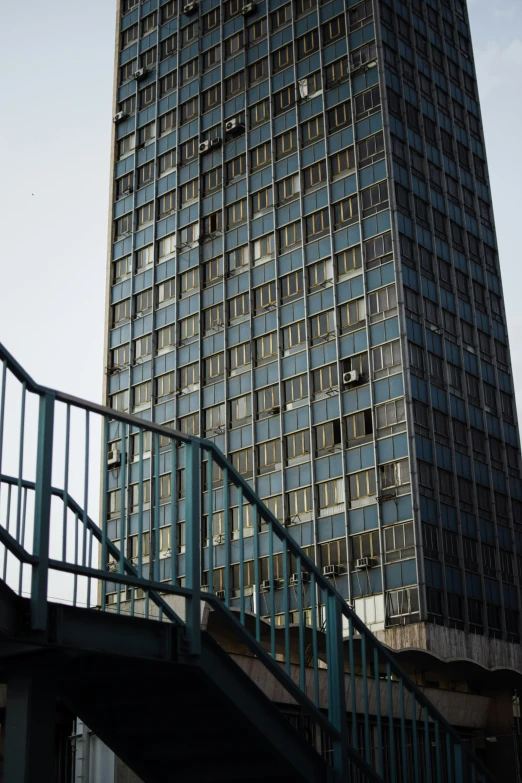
point(421, 745)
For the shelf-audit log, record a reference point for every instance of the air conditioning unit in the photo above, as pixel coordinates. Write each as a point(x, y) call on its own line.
point(204, 146)
point(112, 566)
point(139, 74)
point(305, 578)
point(120, 116)
point(265, 585)
point(364, 562)
point(331, 570)
point(215, 143)
point(220, 594)
point(234, 125)
point(190, 8)
point(164, 554)
point(113, 459)
point(275, 409)
point(352, 376)
point(248, 8)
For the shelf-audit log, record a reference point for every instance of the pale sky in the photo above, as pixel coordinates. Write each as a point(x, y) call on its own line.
point(57, 66)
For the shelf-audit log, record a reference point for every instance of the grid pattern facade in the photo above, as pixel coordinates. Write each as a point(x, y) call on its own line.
point(304, 270)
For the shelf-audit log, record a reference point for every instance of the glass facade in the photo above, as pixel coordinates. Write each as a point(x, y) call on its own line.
point(304, 270)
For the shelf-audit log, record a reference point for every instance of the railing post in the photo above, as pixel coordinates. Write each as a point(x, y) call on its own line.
point(336, 683)
point(42, 512)
point(193, 545)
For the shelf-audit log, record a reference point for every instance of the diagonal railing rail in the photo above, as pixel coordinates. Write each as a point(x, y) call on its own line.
point(180, 529)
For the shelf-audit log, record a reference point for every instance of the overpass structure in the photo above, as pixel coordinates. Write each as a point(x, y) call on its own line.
point(264, 673)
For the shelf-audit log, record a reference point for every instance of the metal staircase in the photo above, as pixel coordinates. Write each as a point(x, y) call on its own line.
point(123, 624)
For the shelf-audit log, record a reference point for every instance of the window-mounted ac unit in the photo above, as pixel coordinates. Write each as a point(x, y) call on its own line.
point(331, 570)
point(352, 376)
point(112, 566)
point(305, 579)
point(139, 74)
point(164, 554)
point(364, 562)
point(220, 594)
point(190, 8)
point(265, 585)
point(275, 409)
point(206, 146)
point(234, 125)
point(121, 115)
point(113, 459)
point(248, 8)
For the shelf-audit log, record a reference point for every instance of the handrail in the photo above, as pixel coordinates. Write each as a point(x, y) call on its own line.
point(335, 606)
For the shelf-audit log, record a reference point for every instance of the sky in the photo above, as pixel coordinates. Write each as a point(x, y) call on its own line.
point(56, 61)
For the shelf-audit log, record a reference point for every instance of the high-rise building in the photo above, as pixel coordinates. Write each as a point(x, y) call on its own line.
point(303, 268)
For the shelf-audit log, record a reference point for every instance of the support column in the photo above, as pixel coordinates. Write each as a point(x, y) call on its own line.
point(30, 729)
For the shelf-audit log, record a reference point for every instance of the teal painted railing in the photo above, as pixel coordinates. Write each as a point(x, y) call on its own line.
point(217, 546)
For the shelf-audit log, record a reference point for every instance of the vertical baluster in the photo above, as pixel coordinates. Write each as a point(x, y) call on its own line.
point(352, 683)
point(193, 544)
point(156, 520)
point(414, 738)
point(241, 557)
point(438, 766)
point(336, 682)
point(173, 514)
point(89, 580)
point(427, 746)
point(302, 670)
point(66, 478)
point(7, 525)
point(226, 520)
point(21, 464)
point(457, 751)
point(123, 526)
point(2, 414)
point(257, 575)
point(449, 758)
point(86, 486)
point(315, 657)
point(22, 540)
point(76, 555)
point(210, 523)
point(42, 512)
point(402, 714)
point(391, 728)
point(286, 606)
point(272, 589)
point(380, 758)
point(367, 746)
point(140, 504)
point(104, 505)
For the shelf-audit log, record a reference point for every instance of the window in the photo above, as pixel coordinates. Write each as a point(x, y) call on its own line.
point(120, 356)
point(268, 455)
point(211, 20)
point(188, 150)
point(211, 181)
point(322, 326)
point(333, 29)
point(292, 286)
point(145, 213)
point(145, 174)
point(212, 270)
point(258, 71)
point(188, 327)
point(280, 17)
point(213, 366)
point(237, 213)
point(261, 155)
point(167, 122)
point(342, 161)
point(363, 55)
point(188, 280)
point(124, 185)
point(233, 44)
point(129, 35)
point(386, 356)
point(144, 257)
point(239, 356)
point(212, 318)
point(238, 306)
point(378, 250)
point(240, 408)
point(340, 116)
point(212, 223)
point(282, 58)
point(127, 71)
point(359, 427)
point(294, 335)
point(375, 199)
point(257, 30)
point(307, 44)
point(286, 143)
point(371, 150)
point(311, 130)
point(211, 57)
point(346, 212)
point(147, 132)
point(362, 484)
point(383, 300)
point(265, 296)
point(167, 203)
point(394, 474)
point(188, 376)
point(351, 314)
point(189, 234)
point(297, 444)
point(237, 258)
point(284, 99)
point(122, 267)
point(289, 235)
point(165, 385)
point(234, 84)
point(327, 436)
point(147, 96)
point(259, 112)
point(168, 47)
point(126, 145)
point(261, 200)
point(188, 110)
point(288, 188)
point(299, 501)
point(215, 418)
point(390, 414)
point(120, 401)
point(123, 225)
point(330, 493)
point(168, 11)
point(267, 401)
point(317, 224)
point(165, 337)
point(325, 378)
point(143, 301)
point(296, 388)
point(189, 70)
point(211, 97)
point(236, 167)
point(337, 71)
point(349, 260)
point(263, 247)
point(168, 83)
point(141, 393)
point(149, 23)
point(265, 347)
